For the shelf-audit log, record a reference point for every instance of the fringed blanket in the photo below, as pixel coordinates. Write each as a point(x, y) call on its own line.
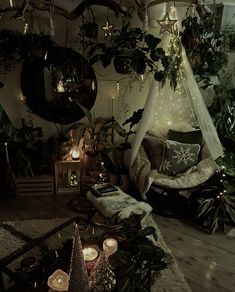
point(143, 176)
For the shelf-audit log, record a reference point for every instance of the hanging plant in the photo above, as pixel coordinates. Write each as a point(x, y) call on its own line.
point(132, 51)
point(190, 36)
point(10, 50)
point(16, 47)
point(205, 46)
point(90, 27)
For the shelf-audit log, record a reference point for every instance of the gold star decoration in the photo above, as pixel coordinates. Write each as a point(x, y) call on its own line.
point(108, 28)
point(166, 24)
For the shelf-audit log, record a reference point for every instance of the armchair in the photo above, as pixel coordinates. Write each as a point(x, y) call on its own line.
point(148, 168)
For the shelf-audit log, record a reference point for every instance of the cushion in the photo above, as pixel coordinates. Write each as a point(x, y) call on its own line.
point(191, 137)
point(203, 171)
point(178, 157)
point(161, 130)
point(153, 147)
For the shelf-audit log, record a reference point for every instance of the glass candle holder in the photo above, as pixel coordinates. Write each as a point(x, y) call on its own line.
point(91, 255)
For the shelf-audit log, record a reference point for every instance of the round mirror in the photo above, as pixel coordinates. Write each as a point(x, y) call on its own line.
point(50, 83)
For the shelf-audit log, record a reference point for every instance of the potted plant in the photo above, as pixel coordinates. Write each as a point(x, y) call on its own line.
point(90, 27)
point(138, 259)
point(96, 136)
point(119, 175)
point(131, 50)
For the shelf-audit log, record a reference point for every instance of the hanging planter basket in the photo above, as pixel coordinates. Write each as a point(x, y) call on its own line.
point(90, 30)
point(90, 26)
point(122, 64)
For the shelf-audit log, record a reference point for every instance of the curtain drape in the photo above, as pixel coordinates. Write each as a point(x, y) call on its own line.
point(165, 107)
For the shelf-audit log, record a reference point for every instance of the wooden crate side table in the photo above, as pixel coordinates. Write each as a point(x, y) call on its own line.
point(67, 177)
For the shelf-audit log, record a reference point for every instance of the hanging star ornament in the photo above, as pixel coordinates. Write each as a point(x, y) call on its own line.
point(166, 24)
point(108, 28)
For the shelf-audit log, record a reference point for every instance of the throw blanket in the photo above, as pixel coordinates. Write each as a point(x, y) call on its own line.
point(167, 280)
point(120, 203)
point(143, 176)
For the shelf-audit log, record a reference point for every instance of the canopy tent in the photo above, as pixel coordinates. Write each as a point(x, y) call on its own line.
point(166, 108)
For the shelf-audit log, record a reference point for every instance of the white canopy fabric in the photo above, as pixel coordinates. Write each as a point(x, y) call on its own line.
point(168, 109)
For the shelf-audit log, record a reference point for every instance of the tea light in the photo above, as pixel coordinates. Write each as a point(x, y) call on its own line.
point(58, 281)
point(110, 246)
point(90, 255)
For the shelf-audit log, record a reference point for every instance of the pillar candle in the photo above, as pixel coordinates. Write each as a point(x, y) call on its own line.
point(90, 255)
point(110, 246)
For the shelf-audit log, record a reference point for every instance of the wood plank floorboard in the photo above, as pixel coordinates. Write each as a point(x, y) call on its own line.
point(207, 261)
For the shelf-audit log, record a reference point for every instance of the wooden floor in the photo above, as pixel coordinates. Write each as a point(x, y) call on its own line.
point(207, 261)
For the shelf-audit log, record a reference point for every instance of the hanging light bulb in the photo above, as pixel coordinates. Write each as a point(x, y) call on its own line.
point(93, 85)
point(45, 57)
point(118, 86)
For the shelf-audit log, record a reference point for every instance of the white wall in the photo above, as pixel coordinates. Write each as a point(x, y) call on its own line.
point(128, 99)
point(125, 99)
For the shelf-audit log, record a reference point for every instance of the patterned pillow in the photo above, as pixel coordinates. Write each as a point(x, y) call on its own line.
point(178, 157)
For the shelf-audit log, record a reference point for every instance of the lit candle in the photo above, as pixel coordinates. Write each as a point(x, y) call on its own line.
point(58, 281)
point(110, 246)
point(60, 86)
point(75, 152)
point(7, 156)
point(90, 255)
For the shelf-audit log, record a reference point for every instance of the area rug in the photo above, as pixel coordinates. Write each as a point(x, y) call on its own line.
point(14, 235)
point(18, 235)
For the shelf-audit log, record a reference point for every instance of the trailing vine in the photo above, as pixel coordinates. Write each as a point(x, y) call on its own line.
point(206, 48)
point(16, 47)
